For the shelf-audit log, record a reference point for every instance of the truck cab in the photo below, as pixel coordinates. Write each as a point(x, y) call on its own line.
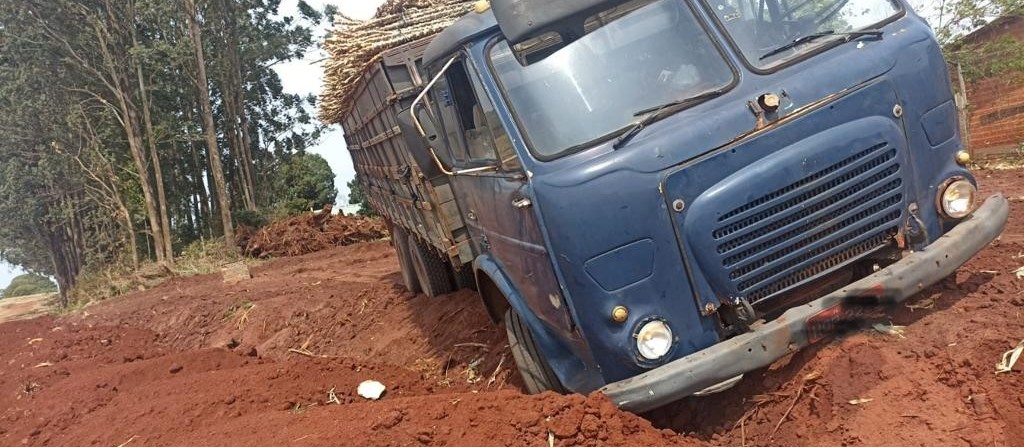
point(658, 196)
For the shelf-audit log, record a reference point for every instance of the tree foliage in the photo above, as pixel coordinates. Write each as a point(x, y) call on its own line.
point(305, 182)
point(28, 284)
point(358, 197)
point(103, 152)
point(954, 20)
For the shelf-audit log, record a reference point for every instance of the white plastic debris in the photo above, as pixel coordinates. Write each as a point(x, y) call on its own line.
point(371, 389)
point(862, 400)
point(1019, 272)
point(1010, 358)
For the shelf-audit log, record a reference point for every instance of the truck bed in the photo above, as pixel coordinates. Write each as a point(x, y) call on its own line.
point(395, 186)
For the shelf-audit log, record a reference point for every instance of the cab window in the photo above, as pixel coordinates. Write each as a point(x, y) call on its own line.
point(760, 26)
point(479, 137)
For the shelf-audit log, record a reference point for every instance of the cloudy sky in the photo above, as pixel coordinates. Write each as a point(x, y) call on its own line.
point(306, 76)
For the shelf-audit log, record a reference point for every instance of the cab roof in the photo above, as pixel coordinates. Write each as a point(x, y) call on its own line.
point(466, 29)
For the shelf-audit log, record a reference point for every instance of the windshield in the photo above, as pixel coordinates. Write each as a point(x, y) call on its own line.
point(591, 89)
point(760, 26)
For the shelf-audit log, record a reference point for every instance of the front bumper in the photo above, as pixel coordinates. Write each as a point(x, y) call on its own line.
point(775, 339)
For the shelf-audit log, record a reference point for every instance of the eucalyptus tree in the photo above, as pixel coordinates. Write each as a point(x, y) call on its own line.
point(134, 127)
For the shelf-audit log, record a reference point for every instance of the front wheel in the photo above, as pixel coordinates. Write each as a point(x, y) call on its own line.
point(537, 375)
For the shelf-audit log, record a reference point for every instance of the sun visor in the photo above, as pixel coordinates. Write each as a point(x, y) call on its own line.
point(522, 20)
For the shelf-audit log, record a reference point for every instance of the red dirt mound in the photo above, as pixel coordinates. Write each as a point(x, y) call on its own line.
point(70, 384)
point(308, 233)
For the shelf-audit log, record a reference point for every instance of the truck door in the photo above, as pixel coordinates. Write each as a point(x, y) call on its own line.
point(497, 205)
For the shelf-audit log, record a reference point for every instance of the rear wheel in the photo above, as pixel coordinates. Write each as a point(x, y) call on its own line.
point(400, 239)
point(537, 375)
point(464, 277)
point(431, 269)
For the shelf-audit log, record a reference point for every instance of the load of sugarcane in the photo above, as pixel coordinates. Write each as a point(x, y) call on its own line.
point(354, 45)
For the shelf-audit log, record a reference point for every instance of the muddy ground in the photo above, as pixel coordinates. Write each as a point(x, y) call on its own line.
point(276, 361)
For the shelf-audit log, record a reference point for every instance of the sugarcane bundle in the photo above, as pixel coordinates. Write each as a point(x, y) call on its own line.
point(354, 45)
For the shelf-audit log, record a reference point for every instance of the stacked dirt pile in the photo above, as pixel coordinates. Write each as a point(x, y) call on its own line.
point(309, 233)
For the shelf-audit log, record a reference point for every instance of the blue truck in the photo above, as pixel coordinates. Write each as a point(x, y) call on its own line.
point(657, 196)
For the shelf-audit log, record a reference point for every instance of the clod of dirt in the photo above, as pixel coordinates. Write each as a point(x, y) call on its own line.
point(235, 273)
point(175, 369)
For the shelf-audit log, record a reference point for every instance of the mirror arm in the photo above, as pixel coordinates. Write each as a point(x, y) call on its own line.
point(423, 93)
point(423, 134)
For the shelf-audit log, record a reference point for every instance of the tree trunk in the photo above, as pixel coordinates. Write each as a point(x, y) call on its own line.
point(234, 104)
point(130, 122)
point(152, 209)
point(165, 220)
point(203, 86)
point(243, 124)
point(197, 173)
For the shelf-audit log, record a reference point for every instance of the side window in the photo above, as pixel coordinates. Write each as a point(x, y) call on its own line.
point(444, 107)
point(499, 139)
point(480, 137)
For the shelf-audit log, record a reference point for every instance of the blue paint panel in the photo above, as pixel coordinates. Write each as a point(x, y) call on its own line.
point(592, 202)
point(820, 204)
point(623, 266)
point(940, 123)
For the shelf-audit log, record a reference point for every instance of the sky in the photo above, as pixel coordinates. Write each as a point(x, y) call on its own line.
point(306, 76)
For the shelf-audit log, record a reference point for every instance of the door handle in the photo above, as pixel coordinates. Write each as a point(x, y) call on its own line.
point(522, 203)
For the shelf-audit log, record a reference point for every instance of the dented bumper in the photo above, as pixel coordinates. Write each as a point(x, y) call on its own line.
point(770, 341)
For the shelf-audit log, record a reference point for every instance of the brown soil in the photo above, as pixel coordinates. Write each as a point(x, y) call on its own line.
point(26, 306)
point(198, 362)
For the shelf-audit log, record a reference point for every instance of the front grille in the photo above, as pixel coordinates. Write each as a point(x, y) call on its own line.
point(812, 226)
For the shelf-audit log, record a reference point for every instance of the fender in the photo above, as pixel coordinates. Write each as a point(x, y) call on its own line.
point(575, 374)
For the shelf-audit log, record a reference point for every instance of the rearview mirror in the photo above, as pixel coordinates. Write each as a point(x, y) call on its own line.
point(418, 145)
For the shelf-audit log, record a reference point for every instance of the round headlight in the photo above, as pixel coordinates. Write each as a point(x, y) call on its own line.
point(957, 199)
point(654, 340)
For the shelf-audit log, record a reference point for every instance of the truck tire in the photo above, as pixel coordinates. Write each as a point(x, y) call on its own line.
point(400, 239)
point(431, 269)
point(537, 375)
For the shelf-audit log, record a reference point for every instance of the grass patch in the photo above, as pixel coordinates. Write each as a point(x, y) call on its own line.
point(113, 280)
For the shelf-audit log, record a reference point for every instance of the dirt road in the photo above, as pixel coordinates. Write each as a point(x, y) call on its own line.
point(276, 361)
point(26, 306)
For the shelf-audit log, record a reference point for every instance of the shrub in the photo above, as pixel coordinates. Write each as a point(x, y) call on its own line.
point(29, 284)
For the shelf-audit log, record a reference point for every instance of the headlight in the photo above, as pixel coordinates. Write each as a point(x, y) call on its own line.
point(957, 199)
point(654, 340)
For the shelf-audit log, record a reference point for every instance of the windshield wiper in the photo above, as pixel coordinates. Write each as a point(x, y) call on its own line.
point(656, 112)
point(810, 37)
